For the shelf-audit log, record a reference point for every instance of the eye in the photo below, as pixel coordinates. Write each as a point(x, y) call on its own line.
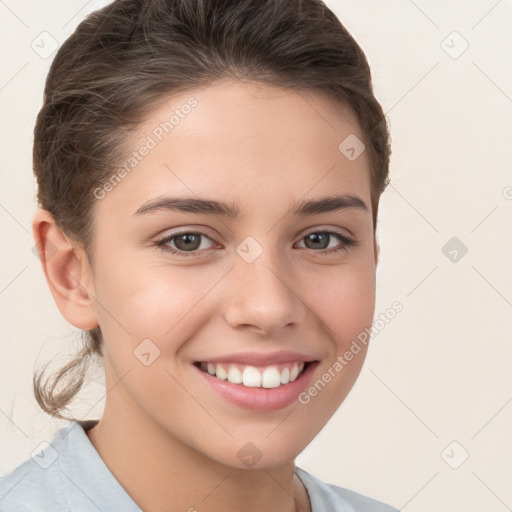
point(184, 243)
point(189, 243)
point(312, 240)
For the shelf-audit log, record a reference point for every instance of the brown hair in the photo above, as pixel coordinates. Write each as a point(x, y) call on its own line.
point(123, 59)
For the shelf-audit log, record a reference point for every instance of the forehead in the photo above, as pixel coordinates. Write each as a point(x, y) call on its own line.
point(241, 108)
point(244, 142)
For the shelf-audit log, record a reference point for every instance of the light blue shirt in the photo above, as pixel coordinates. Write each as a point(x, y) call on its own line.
point(68, 475)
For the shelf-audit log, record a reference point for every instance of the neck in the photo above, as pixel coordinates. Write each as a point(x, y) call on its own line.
point(160, 473)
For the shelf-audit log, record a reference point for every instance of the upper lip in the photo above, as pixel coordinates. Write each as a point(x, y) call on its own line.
point(259, 359)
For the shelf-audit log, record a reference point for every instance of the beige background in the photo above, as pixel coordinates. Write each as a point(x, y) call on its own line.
point(440, 371)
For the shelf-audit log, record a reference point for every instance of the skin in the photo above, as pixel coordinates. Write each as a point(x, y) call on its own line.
point(265, 149)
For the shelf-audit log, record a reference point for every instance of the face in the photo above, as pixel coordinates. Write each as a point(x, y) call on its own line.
point(262, 281)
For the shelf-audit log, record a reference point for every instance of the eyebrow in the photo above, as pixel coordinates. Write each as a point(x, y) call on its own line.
point(232, 211)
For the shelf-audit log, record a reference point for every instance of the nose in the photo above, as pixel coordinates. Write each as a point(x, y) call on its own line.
point(263, 296)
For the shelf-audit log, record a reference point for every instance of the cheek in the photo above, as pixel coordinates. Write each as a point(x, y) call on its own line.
point(141, 301)
point(344, 303)
point(153, 311)
point(344, 300)
point(168, 304)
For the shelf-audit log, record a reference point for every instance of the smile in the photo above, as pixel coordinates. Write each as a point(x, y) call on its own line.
point(272, 376)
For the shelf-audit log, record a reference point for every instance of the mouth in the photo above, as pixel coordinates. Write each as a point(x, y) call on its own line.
point(267, 377)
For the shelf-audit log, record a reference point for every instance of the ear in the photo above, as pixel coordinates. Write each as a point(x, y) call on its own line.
point(67, 271)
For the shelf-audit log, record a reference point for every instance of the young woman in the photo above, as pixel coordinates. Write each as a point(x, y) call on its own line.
point(209, 174)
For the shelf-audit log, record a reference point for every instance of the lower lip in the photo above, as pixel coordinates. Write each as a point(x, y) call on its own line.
point(260, 399)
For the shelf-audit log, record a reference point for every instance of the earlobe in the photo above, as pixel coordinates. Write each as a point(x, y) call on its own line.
point(67, 271)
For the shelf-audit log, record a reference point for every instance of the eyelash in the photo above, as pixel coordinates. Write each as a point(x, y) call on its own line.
point(347, 243)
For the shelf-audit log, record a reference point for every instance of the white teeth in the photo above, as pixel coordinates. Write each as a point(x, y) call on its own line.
point(271, 378)
point(251, 377)
point(294, 373)
point(234, 375)
point(221, 373)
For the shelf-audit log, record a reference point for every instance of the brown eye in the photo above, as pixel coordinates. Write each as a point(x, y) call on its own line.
point(319, 241)
point(314, 240)
point(183, 244)
point(188, 241)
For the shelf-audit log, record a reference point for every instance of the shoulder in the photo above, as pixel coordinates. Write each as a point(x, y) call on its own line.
point(66, 474)
point(39, 482)
point(32, 485)
point(331, 497)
